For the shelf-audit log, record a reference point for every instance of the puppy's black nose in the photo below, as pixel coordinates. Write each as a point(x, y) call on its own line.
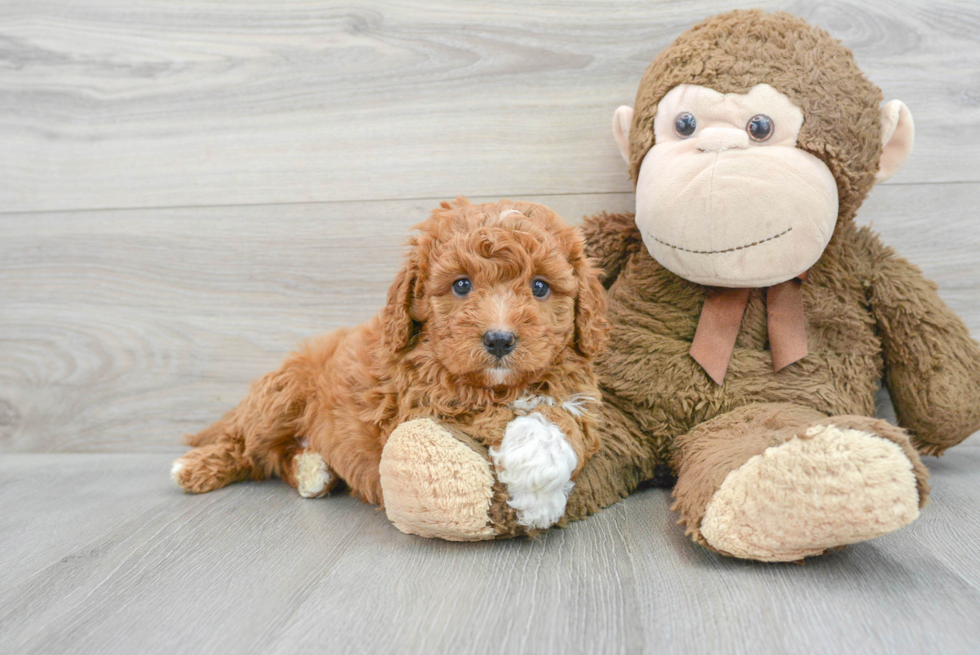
point(499, 344)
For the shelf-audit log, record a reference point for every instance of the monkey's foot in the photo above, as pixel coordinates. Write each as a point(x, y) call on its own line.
point(827, 488)
point(435, 485)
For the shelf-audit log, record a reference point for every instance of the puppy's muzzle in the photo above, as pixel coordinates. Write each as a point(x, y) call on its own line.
point(499, 344)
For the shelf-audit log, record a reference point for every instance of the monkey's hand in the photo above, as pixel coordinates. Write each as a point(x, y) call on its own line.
point(610, 239)
point(932, 366)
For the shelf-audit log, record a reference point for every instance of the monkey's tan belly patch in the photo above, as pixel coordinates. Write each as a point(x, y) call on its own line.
point(829, 488)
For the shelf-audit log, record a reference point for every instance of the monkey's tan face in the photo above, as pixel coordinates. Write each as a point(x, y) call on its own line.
point(725, 198)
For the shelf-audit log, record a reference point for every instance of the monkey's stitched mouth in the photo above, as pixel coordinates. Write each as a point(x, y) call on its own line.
point(716, 252)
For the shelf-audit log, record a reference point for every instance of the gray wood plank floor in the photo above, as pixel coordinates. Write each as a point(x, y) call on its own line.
point(190, 188)
point(99, 553)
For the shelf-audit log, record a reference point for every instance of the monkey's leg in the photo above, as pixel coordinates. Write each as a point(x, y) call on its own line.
point(627, 456)
point(439, 482)
point(780, 482)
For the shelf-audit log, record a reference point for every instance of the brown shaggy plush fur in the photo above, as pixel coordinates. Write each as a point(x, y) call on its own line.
point(869, 313)
point(423, 356)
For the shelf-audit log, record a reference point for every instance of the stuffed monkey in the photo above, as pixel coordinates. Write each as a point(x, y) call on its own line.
point(752, 319)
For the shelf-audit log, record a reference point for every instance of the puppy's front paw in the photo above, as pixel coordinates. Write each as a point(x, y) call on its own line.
point(536, 463)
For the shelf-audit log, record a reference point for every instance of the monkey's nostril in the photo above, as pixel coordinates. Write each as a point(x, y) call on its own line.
point(499, 344)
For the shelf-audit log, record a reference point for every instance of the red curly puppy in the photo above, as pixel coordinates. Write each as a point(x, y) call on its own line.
point(490, 327)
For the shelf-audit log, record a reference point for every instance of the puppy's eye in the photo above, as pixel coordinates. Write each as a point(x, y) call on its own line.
point(760, 127)
point(462, 287)
point(685, 124)
point(540, 288)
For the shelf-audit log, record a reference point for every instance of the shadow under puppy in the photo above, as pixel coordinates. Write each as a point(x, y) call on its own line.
point(490, 329)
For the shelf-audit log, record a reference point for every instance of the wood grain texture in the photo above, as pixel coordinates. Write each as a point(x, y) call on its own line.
point(123, 330)
point(913, 591)
point(137, 103)
point(189, 188)
point(126, 563)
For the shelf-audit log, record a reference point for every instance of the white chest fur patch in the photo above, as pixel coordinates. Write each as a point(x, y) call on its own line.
point(576, 405)
point(536, 463)
point(528, 403)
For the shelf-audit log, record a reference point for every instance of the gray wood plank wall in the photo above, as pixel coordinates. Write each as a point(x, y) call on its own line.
point(187, 189)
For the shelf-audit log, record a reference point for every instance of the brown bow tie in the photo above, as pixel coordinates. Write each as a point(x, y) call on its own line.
point(721, 318)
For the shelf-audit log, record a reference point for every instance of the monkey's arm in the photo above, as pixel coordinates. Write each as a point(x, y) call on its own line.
point(610, 239)
point(932, 366)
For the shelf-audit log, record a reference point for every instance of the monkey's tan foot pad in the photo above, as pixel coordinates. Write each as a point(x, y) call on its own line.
point(827, 488)
point(313, 477)
point(434, 485)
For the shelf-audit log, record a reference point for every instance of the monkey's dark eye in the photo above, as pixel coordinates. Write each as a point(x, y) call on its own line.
point(540, 288)
point(760, 127)
point(462, 287)
point(685, 124)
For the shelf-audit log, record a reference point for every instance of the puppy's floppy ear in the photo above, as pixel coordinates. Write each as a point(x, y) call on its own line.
point(591, 326)
point(397, 322)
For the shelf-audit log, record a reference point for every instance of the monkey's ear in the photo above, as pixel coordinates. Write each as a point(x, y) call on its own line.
point(622, 120)
point(897, 136)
